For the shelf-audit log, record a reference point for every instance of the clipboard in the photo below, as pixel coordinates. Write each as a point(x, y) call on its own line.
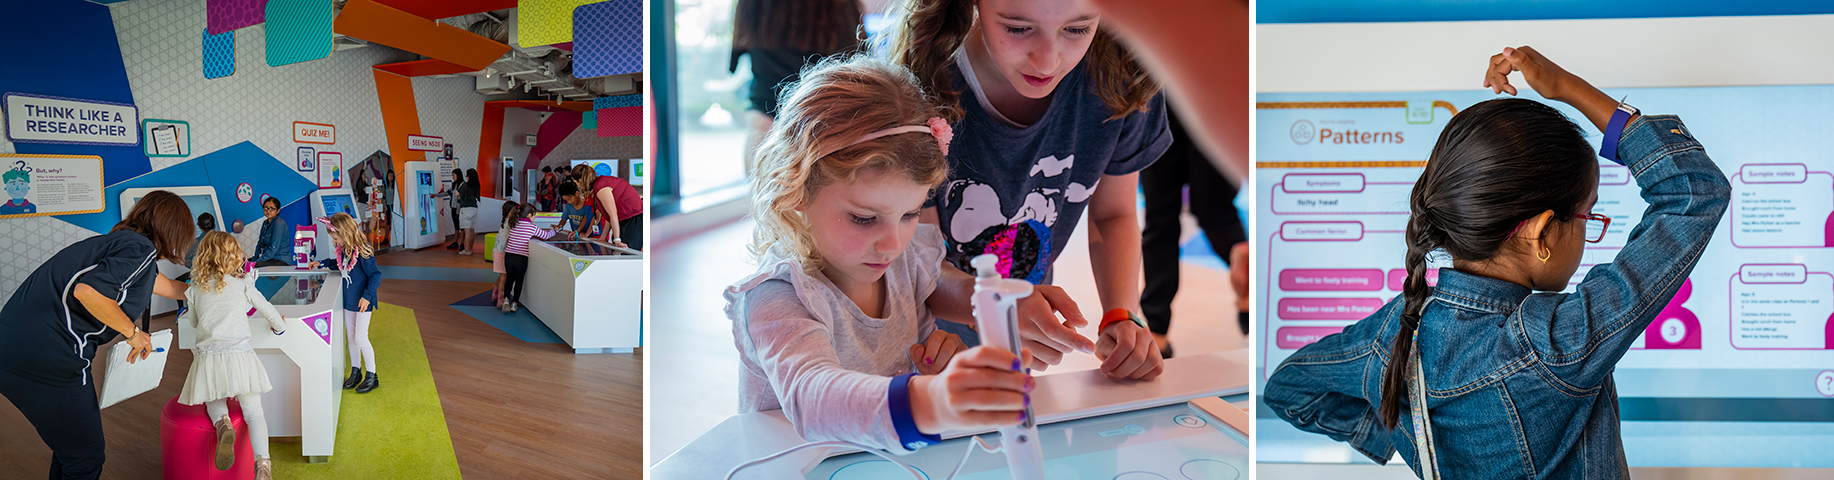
point(127, 380)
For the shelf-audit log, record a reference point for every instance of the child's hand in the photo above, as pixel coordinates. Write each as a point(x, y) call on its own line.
point(934, 354)
point(362, 304)
point(1043, 334)
point(983, 387)
point(1128, 351)
point(1542, 74)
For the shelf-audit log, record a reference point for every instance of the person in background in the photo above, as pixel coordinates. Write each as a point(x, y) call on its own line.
point(496, 251)
point(1211, 196)
point(781, 37)
point(359, 187)
point(468, 211)
point(275, 247)
point(574, 216)
point(544, 190)
point(205, 223)
point(615, 204)
point(452, 203)
point(516, 253)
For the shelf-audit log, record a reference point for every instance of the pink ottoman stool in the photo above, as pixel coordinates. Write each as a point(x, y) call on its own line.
point(188, 442)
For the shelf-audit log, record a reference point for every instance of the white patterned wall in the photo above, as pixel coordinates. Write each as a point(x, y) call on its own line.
point(160, 46)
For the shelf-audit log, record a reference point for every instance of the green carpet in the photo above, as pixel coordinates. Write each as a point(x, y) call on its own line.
point(396, 431)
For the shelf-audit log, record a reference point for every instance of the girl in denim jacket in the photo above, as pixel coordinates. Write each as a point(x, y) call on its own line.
point(1490, 373)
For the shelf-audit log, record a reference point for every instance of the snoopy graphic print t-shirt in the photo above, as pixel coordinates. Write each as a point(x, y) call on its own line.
point(1018, 192)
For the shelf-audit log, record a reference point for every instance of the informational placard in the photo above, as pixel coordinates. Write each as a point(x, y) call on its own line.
point(70, 121)
point(307, 159)
point(423, 143)
point(528, 140)
point(636, 172)
point(166, 138)
point(330, 169)
point(41, 185)
point(315, 133)
point(446, 164)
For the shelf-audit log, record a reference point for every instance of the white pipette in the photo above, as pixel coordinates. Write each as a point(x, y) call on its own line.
point(995, 310)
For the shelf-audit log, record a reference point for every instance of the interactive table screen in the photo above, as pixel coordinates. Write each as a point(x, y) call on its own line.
point(1169, 442)
point(1737, 371)
point(587, 248)
point(290, 288)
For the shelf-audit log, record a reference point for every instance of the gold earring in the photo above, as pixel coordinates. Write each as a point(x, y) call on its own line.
point(1545, 254)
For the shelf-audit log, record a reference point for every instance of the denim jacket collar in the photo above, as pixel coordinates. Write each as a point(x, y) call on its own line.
point(1479, 292)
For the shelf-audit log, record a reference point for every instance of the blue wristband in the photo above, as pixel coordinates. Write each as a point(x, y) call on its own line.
point(1613, 130)
point(899, 398)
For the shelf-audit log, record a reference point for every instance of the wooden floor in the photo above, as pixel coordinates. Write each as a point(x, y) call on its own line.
point(514, 409)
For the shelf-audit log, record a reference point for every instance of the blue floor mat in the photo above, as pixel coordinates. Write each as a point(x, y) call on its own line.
point(482, 299)
point(439, 274)
point(522, 324)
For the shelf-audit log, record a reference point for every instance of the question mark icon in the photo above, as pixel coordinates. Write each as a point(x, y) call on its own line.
point(1824, 383)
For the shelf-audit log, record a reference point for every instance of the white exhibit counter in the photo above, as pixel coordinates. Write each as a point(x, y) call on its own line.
point(588, 293)
point(306, 365)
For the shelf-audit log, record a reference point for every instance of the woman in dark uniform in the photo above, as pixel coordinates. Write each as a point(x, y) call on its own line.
point(81, 298)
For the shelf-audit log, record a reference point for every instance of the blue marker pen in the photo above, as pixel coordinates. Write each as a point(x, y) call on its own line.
point(159, 350)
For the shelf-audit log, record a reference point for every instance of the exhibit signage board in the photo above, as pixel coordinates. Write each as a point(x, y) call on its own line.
point(45, 119)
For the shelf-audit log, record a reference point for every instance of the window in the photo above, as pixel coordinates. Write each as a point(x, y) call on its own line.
point(713, 102)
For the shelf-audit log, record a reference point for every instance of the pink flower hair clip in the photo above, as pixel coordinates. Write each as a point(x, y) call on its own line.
point(944, 134)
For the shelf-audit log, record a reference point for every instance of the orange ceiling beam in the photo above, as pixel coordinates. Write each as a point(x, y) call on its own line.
point(377, 23)
point(400, 118)
point(447, 8)
point(422, 68)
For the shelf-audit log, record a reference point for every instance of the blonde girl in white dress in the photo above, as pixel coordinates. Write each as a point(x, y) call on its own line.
point(223, 365)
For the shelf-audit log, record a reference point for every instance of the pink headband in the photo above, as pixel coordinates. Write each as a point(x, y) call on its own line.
point(936, 127)
point(327, 222)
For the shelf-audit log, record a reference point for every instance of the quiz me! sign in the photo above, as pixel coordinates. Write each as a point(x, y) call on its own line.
point(319, 133)
point(424, 143)
point(42, 119)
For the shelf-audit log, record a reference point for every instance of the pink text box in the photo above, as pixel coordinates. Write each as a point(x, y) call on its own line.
point(1291, 338)
point(1294, 308)
point(1322, 182)
point(1331, 279)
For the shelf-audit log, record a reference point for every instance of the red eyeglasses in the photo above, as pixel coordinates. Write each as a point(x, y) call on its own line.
point(1595, 226)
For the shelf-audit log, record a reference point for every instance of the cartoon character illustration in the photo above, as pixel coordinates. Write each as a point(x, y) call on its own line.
point(18, 183)
point(1023, 239)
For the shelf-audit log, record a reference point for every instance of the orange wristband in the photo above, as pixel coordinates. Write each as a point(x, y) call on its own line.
point(1118, 315)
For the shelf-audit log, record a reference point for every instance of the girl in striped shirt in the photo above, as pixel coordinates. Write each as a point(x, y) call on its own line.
point(516, 252)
